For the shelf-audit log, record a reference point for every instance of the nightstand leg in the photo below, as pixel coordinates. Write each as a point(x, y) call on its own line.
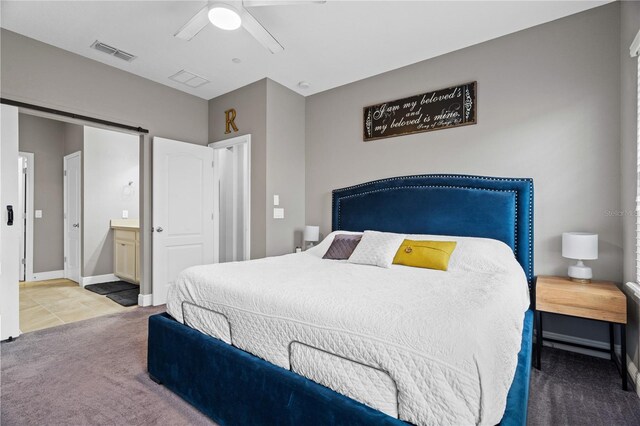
point(612, 351)
point(538, 318)
point(623, 355)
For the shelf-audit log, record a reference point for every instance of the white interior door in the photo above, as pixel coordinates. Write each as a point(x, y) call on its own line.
point(182, 211)
point(72, 215)
point(9, 232)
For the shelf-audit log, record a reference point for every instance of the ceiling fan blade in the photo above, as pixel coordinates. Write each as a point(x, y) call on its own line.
point(195, 25)
point(259, 3)
point(259, 32)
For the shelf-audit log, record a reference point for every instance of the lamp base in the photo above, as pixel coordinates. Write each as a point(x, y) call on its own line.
point(580, 280)
point(580, 273)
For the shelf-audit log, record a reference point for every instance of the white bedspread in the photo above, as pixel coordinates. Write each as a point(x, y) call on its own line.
point(449, 340)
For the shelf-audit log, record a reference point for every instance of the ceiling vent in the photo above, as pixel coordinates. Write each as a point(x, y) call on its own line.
point(189, 78)
point(110, 50)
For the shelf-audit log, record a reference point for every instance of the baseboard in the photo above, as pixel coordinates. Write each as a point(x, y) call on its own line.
point(49, 275)
point(98, 279)
point(578, 340)
point(145, 299)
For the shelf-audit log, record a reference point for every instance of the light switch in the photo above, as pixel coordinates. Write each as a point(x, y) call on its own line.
point(38, 214)
point(276, 200)
point(278, 213)
point(125, 214)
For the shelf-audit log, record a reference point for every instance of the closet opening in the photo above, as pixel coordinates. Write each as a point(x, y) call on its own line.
point(232, 199)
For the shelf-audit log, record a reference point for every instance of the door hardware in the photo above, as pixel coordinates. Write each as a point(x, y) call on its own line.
point(10, 215)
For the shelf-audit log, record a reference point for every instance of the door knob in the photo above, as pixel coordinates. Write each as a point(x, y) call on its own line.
point(76, 225)
point(159, 229)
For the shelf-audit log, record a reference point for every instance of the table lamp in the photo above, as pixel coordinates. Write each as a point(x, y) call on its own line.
point(311, 234)
point(580, 246)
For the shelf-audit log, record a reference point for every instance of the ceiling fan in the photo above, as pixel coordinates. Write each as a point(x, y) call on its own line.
point(231, 15)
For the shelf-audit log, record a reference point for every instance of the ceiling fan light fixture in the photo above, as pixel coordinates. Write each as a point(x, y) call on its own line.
point(224, 17)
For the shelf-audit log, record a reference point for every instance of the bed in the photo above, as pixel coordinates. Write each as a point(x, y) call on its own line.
point(237, 378)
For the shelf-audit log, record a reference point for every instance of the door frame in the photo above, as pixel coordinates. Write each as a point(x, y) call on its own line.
point(66, 218)
point(238, 140)
point(28, 220)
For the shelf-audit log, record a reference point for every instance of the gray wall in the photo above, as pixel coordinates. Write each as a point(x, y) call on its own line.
point(45, 139)
point(73, 138)
point(548, 108)
point(285, 167)
point(110, 161)
point(630, 25)
point(36, 72)
point(250, 103)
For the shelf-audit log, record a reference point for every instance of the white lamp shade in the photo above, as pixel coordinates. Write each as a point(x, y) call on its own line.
point(311, 233)
point(580, 245)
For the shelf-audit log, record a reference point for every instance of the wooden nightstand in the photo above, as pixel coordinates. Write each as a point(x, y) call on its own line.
point(597, 300)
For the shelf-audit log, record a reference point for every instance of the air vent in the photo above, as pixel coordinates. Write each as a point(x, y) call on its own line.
point(124, 56)
point(188, 78)
point(110, 50)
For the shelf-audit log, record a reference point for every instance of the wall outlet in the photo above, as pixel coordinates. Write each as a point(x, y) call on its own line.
point(38, 214)
point(125, 214)
point(278, 213)
point(276, 200)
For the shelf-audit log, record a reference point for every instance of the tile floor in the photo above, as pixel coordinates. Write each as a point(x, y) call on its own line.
point(45, 304)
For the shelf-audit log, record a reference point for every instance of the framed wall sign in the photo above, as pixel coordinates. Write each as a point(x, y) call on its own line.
point(441, 109)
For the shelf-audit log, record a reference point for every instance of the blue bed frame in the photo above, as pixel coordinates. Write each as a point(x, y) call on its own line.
point(234, 387)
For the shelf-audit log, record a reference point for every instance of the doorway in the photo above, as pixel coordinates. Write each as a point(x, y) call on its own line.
point(232, 199)
point(85, 184)
point(46, 297)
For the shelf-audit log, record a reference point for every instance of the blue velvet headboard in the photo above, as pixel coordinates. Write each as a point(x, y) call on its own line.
point(459, 205)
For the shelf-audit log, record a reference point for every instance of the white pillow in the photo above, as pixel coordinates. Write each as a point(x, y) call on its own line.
point(377, 248)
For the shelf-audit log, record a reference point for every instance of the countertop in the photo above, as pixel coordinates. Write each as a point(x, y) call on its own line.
point(126, 224)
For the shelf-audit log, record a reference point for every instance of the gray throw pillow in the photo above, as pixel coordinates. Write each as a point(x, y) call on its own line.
point(342, 246)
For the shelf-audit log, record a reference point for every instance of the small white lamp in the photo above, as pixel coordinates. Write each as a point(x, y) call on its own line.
point(311, 234)
point(580, 246)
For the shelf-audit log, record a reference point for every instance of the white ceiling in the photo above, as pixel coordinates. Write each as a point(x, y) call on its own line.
point(327, 45)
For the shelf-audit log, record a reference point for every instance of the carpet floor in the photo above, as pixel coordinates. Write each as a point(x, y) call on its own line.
point(93, 372)
point(574, 389)
point(90, 372)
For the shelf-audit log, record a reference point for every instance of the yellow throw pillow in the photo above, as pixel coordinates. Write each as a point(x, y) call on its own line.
point(425, 254)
